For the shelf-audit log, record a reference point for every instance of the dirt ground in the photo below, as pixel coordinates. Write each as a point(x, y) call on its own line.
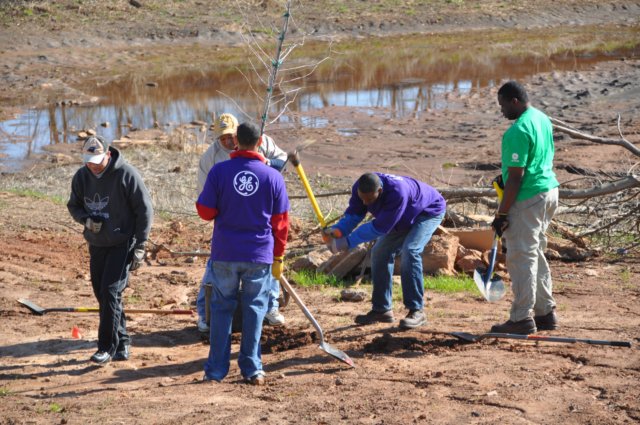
point(422, 376)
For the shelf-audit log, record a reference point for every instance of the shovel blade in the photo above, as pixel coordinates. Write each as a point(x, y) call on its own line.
point(334, 352)
point(465, 336)
point(32, 306)
point(492, 289)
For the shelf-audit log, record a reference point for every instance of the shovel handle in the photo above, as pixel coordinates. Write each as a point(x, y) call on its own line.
point(295, 160)
point(558, 339)
point(126, 310)
point(305, 310)
point(492, 260)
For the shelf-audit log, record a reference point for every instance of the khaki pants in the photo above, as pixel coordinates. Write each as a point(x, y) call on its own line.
point(526, 242)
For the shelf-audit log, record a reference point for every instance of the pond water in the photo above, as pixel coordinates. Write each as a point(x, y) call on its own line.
point(412, 80)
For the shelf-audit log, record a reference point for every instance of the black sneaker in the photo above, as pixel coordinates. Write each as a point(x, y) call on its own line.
point(122, 353)
point(523, 327)
point(414, 319)
point(375, 317)
point(548, 322)
point(101, 357)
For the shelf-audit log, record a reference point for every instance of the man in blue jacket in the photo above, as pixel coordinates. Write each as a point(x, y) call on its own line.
point(406, 213)
point(248, 201)
point(110, 199)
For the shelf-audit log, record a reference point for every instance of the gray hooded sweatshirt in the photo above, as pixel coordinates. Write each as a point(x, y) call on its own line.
point(118, 197)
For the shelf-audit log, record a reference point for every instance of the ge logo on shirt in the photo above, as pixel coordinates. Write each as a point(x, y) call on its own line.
point(245, 183)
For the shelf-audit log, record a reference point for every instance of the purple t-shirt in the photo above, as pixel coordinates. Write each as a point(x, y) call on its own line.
point(246, 193)
point(401, 201)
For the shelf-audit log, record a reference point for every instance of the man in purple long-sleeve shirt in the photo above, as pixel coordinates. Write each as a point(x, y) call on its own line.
point(406, 213)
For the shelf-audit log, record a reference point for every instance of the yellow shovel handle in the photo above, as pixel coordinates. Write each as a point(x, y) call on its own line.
point(312, 198)
point(499, 191)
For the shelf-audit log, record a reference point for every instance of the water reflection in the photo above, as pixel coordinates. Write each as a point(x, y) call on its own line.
point(412, 85)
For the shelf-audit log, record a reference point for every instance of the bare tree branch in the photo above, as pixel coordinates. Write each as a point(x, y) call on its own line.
point(576, 134)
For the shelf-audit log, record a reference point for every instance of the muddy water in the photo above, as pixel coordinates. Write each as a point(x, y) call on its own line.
point(406, 75)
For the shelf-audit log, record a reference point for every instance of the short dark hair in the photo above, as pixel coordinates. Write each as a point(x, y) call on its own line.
point(248, 135)
point(513, 90)
point(369, 182)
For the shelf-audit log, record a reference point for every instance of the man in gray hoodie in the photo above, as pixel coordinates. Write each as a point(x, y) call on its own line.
point(110, 199)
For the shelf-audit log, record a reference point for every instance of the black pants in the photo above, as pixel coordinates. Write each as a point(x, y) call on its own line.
point(109, 267)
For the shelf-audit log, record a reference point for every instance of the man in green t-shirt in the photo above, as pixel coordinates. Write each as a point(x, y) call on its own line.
point(528, 205)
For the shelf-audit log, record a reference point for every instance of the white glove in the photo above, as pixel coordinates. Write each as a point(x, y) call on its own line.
point(93, 224)
point(138, 257)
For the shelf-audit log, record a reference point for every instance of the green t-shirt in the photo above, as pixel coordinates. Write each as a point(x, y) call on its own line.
point(528, 144)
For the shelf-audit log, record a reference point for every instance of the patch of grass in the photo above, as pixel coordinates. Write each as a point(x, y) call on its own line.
point(447, 165)
point(625, 275)
point(308, 278)
point(133, 299)
point(396, 293)
point(341, 8)
point(56, 408)
point(5, 392)
point(165, 215)
point(451, 284)
point(29, 193)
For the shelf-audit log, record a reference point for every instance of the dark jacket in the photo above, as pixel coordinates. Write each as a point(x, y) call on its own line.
point(118, 197)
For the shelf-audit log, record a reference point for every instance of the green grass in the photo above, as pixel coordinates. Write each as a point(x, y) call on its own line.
point(133, 299)
point(451, 284)
point(309, 278)
point(29, 193)
point(625, 275)
point(56, 408)
point(443, 284)
point(4, 392)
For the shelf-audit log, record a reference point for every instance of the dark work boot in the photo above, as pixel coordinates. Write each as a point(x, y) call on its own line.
point(101, 357)
point(123, 353)
point(375, 317)
point(523, 327)
point(414, 319)
point(548, 322)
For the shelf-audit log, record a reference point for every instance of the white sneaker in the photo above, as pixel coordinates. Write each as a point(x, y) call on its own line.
point(202, 325)
point(274, 318)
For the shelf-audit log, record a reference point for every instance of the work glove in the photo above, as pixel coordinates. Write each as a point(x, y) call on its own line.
point(138, 257)
point(500, 224)
point(337, 245)
point(93, 224)
point(329, 233)
point(276, 267)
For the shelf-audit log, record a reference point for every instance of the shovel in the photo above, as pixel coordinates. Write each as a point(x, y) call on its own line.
point(42, 311)
point(324, 346)
point(475, 338)
point(491, 288)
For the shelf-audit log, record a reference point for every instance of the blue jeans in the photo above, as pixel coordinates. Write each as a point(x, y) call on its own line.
point(409, 245)
point(274, 293)
point(227, 277)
